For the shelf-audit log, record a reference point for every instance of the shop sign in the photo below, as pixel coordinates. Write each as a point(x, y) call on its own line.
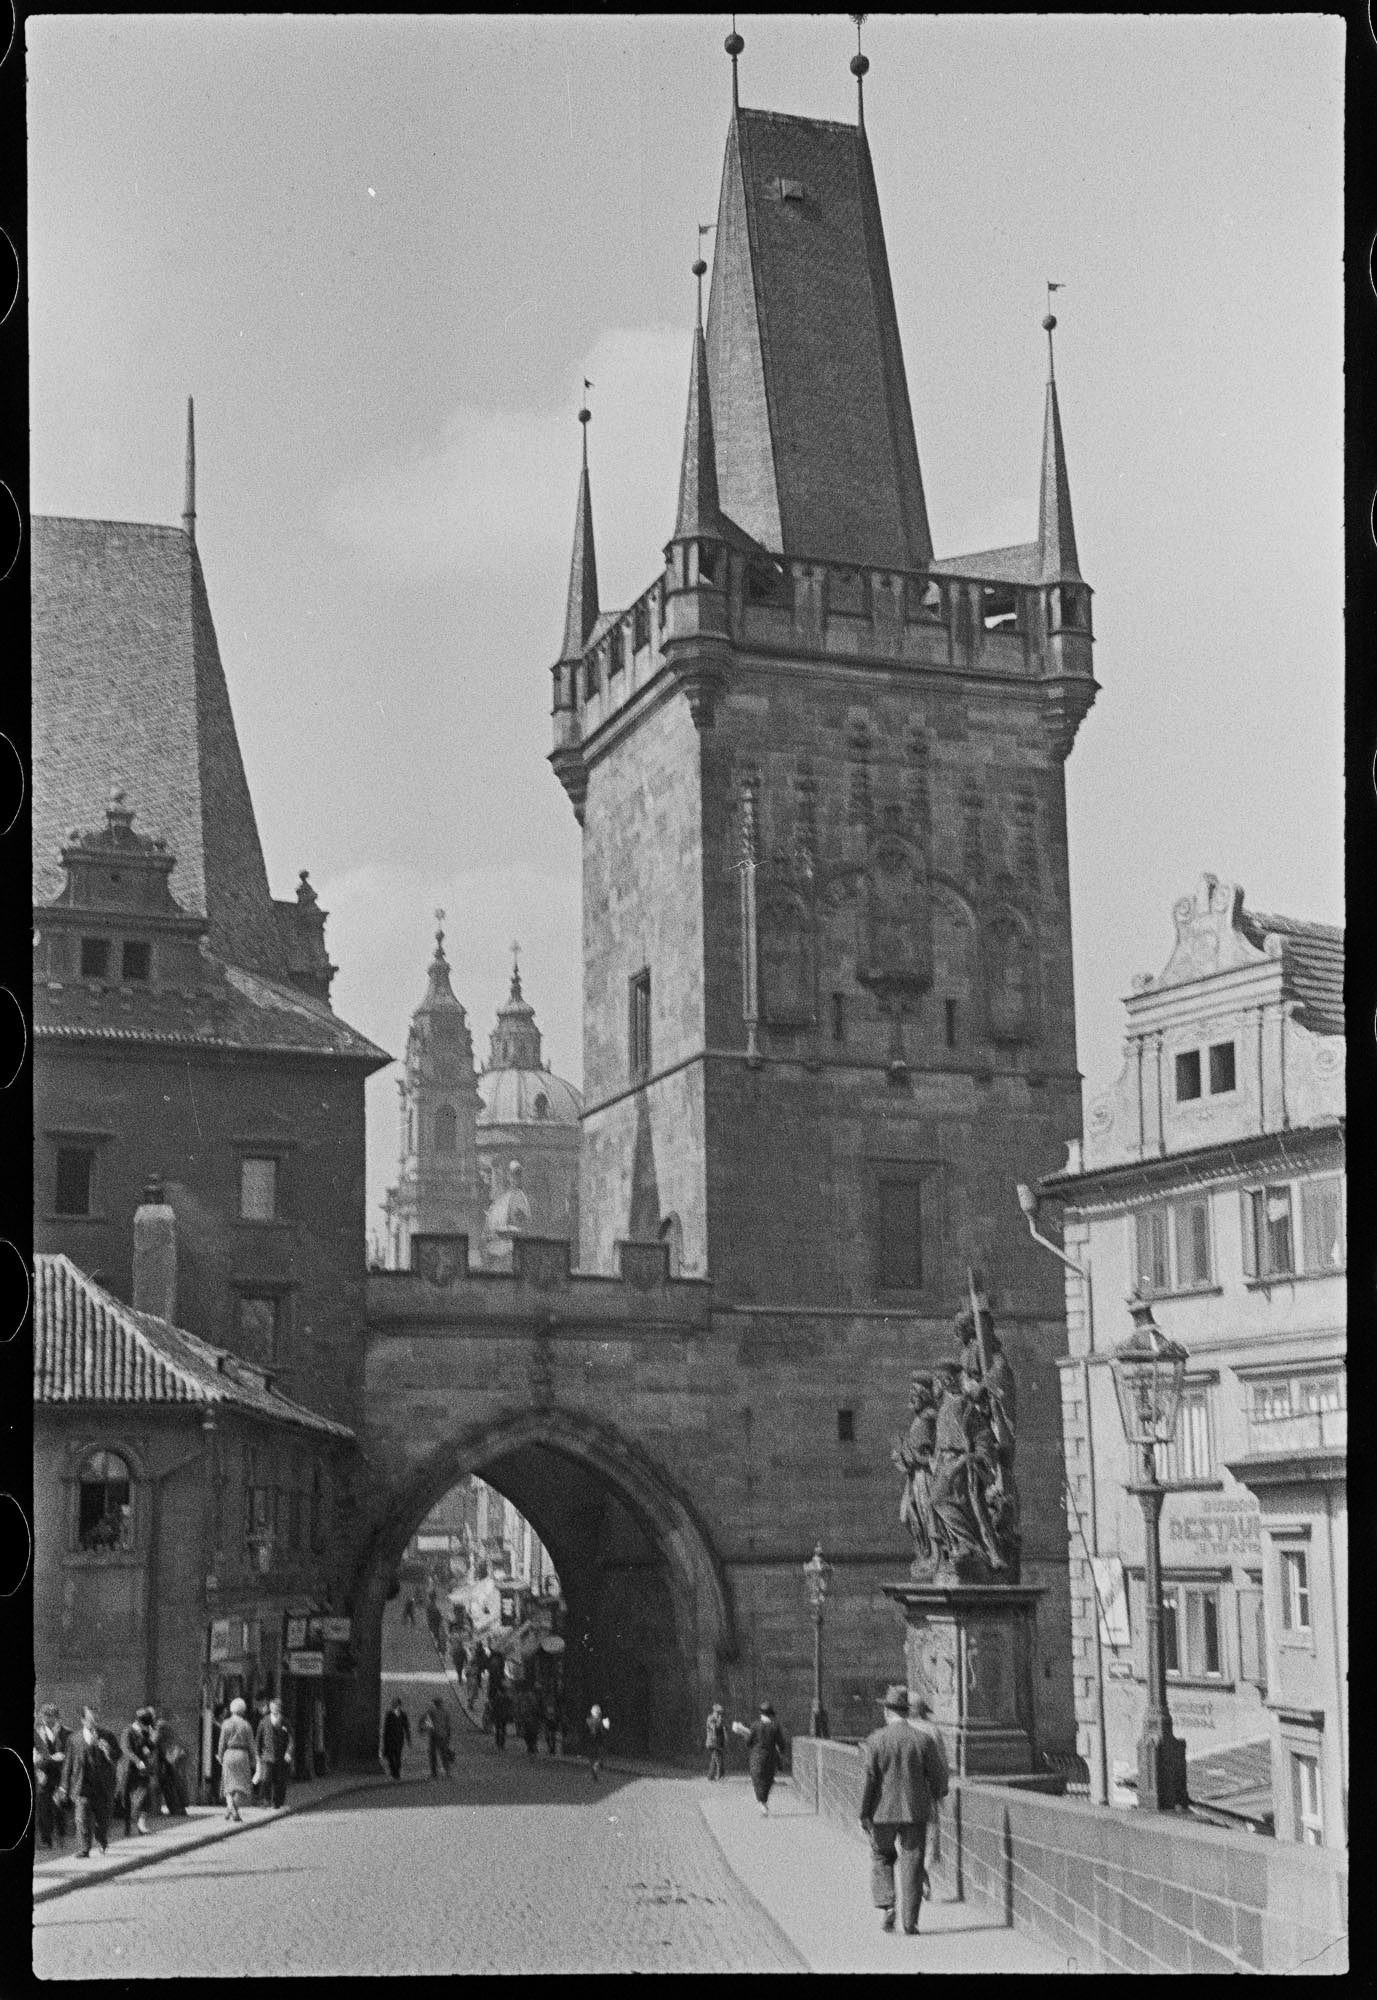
point(336, 1628)
point(296, 1623)
point(220, 1639)
point(306, 1666)
point(1217, 1529)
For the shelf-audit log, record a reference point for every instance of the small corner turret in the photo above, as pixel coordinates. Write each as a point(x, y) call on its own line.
point(581, 615)
point(1066, 595)
point(695, 603)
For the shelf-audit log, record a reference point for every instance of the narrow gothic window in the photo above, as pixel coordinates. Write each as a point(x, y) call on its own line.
point(838, 1017)
point(105, 1517)
point(951, 1023)
point(76, 1171)
point(135, 960)
point(639, 1036)
point(901, 1243)
point(257, 1190)
point(95, 958)
point(446, 1129)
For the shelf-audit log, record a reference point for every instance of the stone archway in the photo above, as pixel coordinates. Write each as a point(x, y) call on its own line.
point(649, 1605)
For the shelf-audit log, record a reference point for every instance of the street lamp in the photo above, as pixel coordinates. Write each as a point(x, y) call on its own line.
point(817, 1574)
point(1148, 1373)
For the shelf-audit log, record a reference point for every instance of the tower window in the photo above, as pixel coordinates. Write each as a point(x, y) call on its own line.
point(1000, 607)
point(614, 650)
point(258, 1190)
point(639, 1036)
point(901, 1236)
point(135, 960)
point(838, 1017)
point(105, 1515)
point(1188, 1076)
point(951, 1023)
point(259, 1325)
point(542, 1105)
point(446, 1129)
point(76, 1174)
point(95, 958)
point(1222, 1076)
point(640, 624)
point(846, 1426)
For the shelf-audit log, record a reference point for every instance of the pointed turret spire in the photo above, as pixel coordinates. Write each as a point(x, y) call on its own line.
point(189, 504)
point(859, 65)
point(439, 992)
point(700, 510)
point(582, 613)
point(1056, 534)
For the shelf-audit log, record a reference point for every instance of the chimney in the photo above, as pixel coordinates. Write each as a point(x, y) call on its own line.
point(155, 1255)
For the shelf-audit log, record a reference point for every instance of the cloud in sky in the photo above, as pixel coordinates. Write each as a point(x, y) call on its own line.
point(497, 489)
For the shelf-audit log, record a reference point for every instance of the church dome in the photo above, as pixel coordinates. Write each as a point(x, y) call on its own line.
point(515, 1087)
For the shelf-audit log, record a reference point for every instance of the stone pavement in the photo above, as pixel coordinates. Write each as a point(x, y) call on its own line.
point(58, 1873)
point(814, 1880)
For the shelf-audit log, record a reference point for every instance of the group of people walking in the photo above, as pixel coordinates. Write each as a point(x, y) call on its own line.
point(94, 1776)
point(254, 1761)
point(767, 1748)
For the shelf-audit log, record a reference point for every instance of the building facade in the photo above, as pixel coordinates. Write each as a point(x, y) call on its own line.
point(192, 1079)
point(1212, 1183)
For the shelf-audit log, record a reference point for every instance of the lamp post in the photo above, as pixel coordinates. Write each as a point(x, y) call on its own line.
point(817, 1574)
point(1148, 1373)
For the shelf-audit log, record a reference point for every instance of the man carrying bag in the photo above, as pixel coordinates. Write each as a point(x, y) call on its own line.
point(906, 1778)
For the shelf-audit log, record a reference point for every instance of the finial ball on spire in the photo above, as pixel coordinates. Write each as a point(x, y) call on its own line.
point(860, 65)
point(734, 44)
point(698, 267)
point(1049, 323)
point(585, 415)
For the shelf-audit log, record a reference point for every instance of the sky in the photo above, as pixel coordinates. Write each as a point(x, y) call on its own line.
point(383, 253)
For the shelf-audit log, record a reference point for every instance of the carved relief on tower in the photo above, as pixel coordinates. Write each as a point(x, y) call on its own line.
point(1010, 969)
point(955, 979)
point(788, 949)
point(896, 928)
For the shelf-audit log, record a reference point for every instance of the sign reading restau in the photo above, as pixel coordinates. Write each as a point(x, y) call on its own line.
point(306, 1666)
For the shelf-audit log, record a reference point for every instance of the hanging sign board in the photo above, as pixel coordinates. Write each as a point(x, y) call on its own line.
point(306, 1666)
point(297, 1622)
point(219, 1639)
point(336, 1628)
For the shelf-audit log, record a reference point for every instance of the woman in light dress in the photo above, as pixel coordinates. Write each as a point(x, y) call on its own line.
point(236, 1758)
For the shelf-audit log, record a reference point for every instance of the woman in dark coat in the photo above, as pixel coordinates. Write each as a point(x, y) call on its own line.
point(396, 1734)
point(766, 1744)
point(136, 1783)
point(171, 1763)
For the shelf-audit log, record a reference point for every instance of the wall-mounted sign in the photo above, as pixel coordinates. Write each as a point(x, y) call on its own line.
point(1214, 1529)
point(307, 1666)
point(336, 1628)
point(219, 1639)
point(1119, 1670)
point(297, 1622)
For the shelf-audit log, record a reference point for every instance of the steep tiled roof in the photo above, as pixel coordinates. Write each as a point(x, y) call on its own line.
point(1235, 1779)
point(816, 453)
point(128, 690)
point(88, 1348)
point(1313, 955)
point(1021, 563)
point(233, 1009)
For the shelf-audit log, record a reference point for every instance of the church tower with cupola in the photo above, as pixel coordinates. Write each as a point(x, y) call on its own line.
point(819, 770)
point(438, 1189)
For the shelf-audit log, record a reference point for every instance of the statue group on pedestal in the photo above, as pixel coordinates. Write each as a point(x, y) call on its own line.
point(960, 1502)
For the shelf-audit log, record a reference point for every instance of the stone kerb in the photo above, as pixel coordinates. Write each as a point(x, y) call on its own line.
point(1118, 1891)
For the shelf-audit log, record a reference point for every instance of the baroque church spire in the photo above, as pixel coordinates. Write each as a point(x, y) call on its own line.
point(582, 613)
point(1056, 532)
point(439, 992)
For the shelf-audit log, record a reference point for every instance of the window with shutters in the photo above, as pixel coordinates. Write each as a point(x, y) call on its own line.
point(1294, 1593)
point(1268, 1242)
point(1189, 1458)
point(1322, 1223)
point(1172, 1246)
point(1294, 1228)
point(1305, 1800)
point(1190, 1630)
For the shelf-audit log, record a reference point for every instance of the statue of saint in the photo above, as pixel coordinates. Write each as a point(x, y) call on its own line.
point(988, 1383)
point(508, 1217)
point(914, 1457)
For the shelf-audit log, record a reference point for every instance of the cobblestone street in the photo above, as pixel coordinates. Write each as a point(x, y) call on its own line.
point(515, 1865)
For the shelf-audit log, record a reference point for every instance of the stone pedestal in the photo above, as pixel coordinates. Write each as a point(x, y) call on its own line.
point(971, 1650)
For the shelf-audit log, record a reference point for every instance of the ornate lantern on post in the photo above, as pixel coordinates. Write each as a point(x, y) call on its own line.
point(1149, 1371)
point(817, 1574)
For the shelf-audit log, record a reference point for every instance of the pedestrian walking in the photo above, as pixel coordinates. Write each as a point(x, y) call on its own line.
point(905, 1779)
point(549, 1715)
point(50, 1742)
point(499, 1706)
point(595, 1731)
point(136, 1782)
point(409, 1610)
point(768, 1748)
point(715, 1741)
point(437, 1729)
point(396, 1734)
point(435, 1624)
point(170, 1756)
point(236, 1758)
point(274, 1745)
point(528, 1719)
point(88, 1781)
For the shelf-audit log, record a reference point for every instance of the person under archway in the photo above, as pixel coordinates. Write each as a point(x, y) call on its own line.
point(768, 1748)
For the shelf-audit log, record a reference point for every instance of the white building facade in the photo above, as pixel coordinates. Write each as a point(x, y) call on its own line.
point(1211, 1181)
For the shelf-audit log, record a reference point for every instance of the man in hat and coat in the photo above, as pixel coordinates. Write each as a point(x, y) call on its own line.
point(906, 1777)
point(767, 1749)
point(49, 1755)
point(88, 1780)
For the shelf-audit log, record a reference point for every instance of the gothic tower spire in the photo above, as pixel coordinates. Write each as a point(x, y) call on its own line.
point(581, 614)
point(1056, 534)
point(189, 503)
point(699, 508)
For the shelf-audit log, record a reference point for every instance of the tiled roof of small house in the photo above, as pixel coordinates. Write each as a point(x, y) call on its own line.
point(1313, 957)
point(88, 1348)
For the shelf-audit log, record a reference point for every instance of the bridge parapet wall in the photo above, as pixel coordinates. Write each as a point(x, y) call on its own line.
point(1118, 1891)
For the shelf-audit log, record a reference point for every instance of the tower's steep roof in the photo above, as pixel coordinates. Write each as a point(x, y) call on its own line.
point(581, 610)
point(816, 452)
point(700, 509)
point(1056, 533)
point(129, 690)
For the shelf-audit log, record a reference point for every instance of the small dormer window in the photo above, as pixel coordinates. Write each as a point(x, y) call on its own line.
point(95, 958)
point(136, 957)
point(542, 1105)
point(791, 190)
